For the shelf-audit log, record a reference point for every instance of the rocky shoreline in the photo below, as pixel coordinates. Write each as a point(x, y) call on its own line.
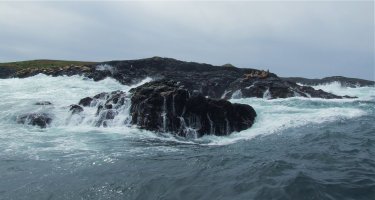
point(186, 99)
point(224, 81)
point(344, 81)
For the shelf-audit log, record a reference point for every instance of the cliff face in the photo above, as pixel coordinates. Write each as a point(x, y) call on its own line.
point(208, 80)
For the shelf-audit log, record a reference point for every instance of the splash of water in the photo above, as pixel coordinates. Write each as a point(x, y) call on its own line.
point(164, 114)
point(237, 94)
point(212, 128)
point(267, 94)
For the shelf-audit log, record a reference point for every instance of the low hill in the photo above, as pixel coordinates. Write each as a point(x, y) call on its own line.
point(13, 67)
point(43, 63)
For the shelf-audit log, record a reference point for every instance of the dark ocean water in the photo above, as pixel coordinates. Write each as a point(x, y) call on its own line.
point(303, 158)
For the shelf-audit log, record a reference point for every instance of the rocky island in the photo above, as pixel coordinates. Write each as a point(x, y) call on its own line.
point(187, 99)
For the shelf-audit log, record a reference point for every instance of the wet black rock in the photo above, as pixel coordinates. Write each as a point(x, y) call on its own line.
point(43, 103)
point(349, 97)
point(68, 70)
point(206, 79)
point(109, 105)
point(166, 106)
point(271, 88)
point(212, 81)
point(36, 119)
point(344, 81)
point(6, 72)
point(75, 109)
point(85, 101)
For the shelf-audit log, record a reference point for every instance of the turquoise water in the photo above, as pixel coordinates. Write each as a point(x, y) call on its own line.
point(298, 148)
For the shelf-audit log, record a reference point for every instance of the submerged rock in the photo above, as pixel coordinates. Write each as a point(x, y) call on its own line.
point(43, 103)
point(165, 106)
point(35, 119)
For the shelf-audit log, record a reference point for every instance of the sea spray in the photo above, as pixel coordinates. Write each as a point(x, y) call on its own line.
point(237, 94)
point(267, 94)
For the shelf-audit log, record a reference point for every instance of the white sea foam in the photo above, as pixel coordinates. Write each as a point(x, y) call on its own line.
point(66, 133)
point(280, 114)
point(106, 67)
point(237, 94)
point(277, 115)
point(364, 93)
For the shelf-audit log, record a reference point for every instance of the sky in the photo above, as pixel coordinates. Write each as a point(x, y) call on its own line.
point(311, 39)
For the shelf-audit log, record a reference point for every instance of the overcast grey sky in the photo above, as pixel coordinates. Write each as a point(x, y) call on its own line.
point(297, 38)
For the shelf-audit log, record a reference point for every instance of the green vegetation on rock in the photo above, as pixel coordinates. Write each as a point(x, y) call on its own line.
point(43, 64)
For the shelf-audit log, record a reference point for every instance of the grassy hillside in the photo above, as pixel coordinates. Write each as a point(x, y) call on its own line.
point(42, 64)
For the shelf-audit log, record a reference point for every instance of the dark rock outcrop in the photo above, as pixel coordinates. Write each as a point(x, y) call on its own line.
point(212, 81)
point(108, 105)
point(69, 70)
point(271, 88)
point(165, 106)
point(209, 80)
point(6, 72)
point(85, 101)
point(36, 119)
point(344, 81)
point(112, 104)
point(75, 109)
point(43, 103)
point(186, 98)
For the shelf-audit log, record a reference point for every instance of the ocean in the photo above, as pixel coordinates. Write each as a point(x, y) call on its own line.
point(298, 148)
